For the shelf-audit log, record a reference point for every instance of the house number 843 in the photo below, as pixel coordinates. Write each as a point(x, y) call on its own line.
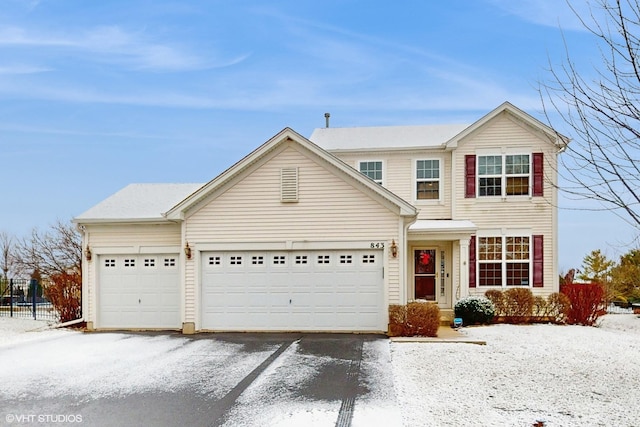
point(377, 245)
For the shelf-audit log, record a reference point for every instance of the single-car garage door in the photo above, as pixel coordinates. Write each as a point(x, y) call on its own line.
point(139, 291)
point(332, 290)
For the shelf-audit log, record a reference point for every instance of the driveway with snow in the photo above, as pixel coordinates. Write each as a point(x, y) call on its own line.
point(547, 374)
point(107, 379)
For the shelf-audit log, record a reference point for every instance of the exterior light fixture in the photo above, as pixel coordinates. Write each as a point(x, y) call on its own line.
point(187, 250)
point(87, 253)
point(394, 248)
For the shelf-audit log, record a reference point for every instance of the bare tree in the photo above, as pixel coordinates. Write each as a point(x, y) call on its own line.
point(6, 260)
point(601, 107)
point(56, 251)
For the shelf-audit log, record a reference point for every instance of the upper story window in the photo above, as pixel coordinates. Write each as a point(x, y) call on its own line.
point(372, 169)
point(504, 175)
point(428, 179)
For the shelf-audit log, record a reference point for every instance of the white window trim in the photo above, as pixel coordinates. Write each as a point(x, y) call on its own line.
point(503, 260)
point(503, 177)
point(414, 178)
point(384, 169)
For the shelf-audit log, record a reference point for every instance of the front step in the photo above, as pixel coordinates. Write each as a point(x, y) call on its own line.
point(446, 316)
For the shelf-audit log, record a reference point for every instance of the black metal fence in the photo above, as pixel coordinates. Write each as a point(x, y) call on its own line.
point(25, 298)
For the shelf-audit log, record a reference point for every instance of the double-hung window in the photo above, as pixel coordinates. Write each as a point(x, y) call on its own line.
point(372, 169)
point(428, 179)
point(504, 175)
point(504, 261)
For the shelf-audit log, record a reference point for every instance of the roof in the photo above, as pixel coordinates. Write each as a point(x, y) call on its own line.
point(445, 136)
point(138, 202)
point(285, 136)
point(443, 225)
point(380, 137)
point(447, 229)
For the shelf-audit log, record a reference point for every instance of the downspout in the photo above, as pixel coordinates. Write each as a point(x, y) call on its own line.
point(84, 271)
point(404, 245)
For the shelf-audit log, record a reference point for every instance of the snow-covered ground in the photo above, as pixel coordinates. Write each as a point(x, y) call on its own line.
point(561, 375)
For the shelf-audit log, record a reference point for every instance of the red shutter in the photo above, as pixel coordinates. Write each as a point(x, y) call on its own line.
point(538, 260)
point(472, 262)
point(538, 175)
point(470, 175)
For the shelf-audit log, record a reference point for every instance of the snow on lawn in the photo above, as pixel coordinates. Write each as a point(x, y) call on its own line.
point(562, 375)
point(15, 330)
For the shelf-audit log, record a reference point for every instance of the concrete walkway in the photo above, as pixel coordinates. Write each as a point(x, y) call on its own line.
point(446, 334)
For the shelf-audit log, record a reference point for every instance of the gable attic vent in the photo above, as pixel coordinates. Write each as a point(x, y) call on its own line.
point(289, 185)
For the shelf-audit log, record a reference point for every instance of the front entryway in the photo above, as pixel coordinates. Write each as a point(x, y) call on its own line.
point(425, 274)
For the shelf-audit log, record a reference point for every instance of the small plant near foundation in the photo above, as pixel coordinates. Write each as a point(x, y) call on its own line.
point(414, 319)
point(497, 298)
point(423, 319)
point(519, 304)
point(474, 310)
point(558, 306)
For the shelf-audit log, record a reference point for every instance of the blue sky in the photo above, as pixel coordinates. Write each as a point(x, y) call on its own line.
point(97, 95)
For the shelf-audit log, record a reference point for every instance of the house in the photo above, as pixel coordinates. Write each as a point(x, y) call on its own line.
point(323, 234)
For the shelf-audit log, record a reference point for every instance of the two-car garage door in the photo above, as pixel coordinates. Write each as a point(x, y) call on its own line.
point(330, 290)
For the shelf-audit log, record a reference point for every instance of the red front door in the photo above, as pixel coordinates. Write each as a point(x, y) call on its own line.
point(424, 272)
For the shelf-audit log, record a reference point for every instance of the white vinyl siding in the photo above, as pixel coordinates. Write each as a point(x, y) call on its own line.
point(400, 178)
point(329, 208)
point(505, 136)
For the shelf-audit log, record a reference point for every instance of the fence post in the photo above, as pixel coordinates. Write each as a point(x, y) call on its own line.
point(10, 297)
point(34, 287)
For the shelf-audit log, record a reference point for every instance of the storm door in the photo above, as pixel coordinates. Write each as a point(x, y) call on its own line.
point(425, 274)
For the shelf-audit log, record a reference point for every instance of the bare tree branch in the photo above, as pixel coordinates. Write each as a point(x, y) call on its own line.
point(57, 251)
point(601, 107)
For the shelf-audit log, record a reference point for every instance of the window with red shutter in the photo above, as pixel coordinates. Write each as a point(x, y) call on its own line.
point(538, 260)
point(470, 176)
point(538, 175)
point(472, 262)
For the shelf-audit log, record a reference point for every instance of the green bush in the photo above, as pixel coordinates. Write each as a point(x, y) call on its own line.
point(475, 310)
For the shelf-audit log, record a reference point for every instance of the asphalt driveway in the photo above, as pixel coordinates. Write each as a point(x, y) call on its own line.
point(153, 379)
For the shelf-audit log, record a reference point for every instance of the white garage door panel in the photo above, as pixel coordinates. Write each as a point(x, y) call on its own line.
point(139, 291)
point(339, 290)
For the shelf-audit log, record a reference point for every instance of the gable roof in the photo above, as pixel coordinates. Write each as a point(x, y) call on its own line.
point(283, 137)
point(137, 202)
point(556, 138)
point(379, 138)
point(385, 137)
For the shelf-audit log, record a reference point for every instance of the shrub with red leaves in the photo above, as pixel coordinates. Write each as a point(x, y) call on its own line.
point(64, 292)
point(586, 302)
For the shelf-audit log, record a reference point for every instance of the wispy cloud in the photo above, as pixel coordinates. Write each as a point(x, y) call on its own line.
point(22, 69)
point(114, 44)
point(550, 13)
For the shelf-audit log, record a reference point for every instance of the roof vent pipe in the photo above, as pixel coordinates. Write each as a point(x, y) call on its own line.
point(326, 119)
